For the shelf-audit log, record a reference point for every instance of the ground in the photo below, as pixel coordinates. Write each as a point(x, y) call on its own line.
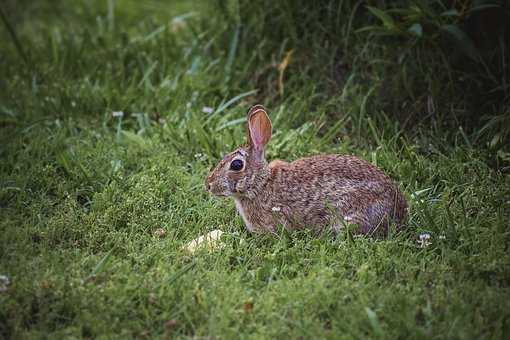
point(113, 113)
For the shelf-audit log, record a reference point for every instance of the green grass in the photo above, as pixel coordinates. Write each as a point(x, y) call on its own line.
point(82, 191)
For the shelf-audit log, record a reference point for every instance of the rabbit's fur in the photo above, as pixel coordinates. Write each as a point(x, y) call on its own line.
point(314, 192)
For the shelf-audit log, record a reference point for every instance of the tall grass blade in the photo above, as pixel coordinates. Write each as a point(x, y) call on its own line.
point(100, 265)
point(374, 322)
point(232, 51)
point(464, 42)
point(14, 37)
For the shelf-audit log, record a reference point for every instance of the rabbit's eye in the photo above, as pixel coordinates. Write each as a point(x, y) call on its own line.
point(236, 165)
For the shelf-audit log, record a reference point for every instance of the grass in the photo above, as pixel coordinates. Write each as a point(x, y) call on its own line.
point(83, 191)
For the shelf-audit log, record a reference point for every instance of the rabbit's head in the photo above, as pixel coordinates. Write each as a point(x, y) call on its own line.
point(244, 171)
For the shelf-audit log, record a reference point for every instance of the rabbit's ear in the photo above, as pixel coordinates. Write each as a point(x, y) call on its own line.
point(259, 127)
point(255, 108)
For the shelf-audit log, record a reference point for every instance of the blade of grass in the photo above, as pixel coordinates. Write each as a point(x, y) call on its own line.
point(100, 265)
point(14, 37)
point(232, 51)
point(224, 106)
point(231, 123)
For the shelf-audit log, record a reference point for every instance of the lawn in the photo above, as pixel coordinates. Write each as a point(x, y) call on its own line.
point(113, 112)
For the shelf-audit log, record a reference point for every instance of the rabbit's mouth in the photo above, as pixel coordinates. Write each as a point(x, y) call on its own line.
point(218, 193)
point(220, 188)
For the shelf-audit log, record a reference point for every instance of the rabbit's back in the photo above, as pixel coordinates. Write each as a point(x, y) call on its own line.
point(335, 190)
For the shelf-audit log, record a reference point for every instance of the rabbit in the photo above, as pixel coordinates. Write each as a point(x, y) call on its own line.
point(318, 192)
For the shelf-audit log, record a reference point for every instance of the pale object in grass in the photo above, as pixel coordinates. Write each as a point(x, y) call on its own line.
point(160, 232)
point(207, 109)
point(210, 240)
point(4, 283)
point(424, 240)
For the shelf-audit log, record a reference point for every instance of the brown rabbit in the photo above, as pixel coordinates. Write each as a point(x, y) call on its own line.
point(315, 192)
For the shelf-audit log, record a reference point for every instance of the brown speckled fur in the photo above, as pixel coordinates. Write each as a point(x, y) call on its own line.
point(315, 192)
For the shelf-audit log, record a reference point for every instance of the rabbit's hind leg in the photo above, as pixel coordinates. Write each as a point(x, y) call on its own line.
point(371, 220)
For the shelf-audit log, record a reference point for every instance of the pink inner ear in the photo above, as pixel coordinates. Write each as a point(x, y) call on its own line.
point(260, 129)
point(256, 131)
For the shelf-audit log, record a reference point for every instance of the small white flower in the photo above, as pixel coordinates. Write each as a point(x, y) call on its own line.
point(425, 236)
point(424, 240)
point(442, 237)
point(200, 156)
point(177, 24)
point(118, 114)
point(4, 283)
point(207, 109)
point(276, 209)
